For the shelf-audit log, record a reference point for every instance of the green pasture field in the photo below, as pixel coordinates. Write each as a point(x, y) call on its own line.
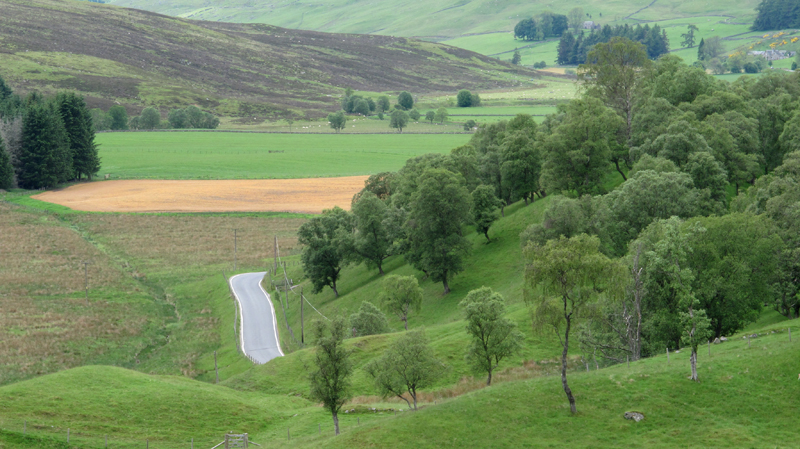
point(433, 20)
point(219, 155)
point(498, 110)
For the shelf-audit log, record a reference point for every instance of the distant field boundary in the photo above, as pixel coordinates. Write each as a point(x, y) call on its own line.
point(278, 132)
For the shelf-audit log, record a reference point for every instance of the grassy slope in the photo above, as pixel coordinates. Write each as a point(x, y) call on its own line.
point(112, 54)
point(235, 155)
point(131, 406)
point(746, 398)
point(437, 20)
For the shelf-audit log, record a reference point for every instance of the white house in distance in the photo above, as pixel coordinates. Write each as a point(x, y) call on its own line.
point(772, 55)
point(590, 25)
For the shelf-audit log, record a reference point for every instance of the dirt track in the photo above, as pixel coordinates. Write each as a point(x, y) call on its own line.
point(310, 195)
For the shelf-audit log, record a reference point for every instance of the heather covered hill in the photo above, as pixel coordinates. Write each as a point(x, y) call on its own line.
point(116, 55)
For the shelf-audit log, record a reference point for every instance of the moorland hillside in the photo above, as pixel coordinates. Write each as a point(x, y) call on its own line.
point(114, 55)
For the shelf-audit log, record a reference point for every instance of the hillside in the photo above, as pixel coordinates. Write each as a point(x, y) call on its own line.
point(439, 20)
point(746, 398)
point(116, 55)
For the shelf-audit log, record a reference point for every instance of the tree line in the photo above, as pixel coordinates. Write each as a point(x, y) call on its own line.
point(701, 235)
point(45, 141)
point(399, 115)
point(776, 15)
point(117, 119)
point(573, 48)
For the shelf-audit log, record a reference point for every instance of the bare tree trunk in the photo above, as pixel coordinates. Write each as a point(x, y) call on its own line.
point(446, 285)
point(380, 267)
point(489, 379)
point(567, 390)
point(693, 360)
point(414, 396)
point(335, 292)
point(405, 322)
point(409, 404)
point(624, 178)
point(638, 287)
point(486, 233)
point(335, 422)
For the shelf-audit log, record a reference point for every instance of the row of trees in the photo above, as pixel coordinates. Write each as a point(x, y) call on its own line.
point(45, 141)
point(190, 117)
point(398, 119)
point(574, 50)
point(356, 104)
point(542, 26)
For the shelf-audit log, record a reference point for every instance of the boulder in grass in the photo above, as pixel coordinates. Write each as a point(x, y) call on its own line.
point(636, 416)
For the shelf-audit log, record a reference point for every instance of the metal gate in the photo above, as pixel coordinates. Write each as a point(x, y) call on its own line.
point(235, 441)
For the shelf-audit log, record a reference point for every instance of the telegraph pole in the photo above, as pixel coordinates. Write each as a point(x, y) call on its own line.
point(302, 328)
point(86, 279)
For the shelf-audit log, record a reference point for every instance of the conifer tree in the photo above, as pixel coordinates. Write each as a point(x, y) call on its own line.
point(6, 170)
point(700, 50)
point(45, 158)
point(78, 125)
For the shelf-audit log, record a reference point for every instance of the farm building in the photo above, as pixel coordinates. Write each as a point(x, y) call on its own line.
point(773, 55)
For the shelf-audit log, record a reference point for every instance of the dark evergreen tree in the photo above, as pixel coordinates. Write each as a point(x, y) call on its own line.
point(777, 15)
point(5, 91)
point(6, 170)
point(654, 39)
point(565, 48)
point(45, 158)
point(80, 132)
point(700, 50)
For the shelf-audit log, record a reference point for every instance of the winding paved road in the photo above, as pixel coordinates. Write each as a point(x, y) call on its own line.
point(259, 335)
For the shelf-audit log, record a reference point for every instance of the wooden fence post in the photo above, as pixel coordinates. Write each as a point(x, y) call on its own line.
point(667, 355)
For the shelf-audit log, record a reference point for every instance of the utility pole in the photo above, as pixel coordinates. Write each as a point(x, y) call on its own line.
point(302, 328)
point(234, 250)
point(216, 369)
point(86, 279)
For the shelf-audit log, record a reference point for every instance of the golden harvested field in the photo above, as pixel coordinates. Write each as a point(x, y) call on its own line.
point(310, 195)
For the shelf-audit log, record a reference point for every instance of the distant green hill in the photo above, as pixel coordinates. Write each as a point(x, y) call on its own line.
point(439, 20)
point(114, 55)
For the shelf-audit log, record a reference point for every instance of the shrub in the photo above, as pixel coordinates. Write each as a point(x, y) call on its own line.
point(369, 320)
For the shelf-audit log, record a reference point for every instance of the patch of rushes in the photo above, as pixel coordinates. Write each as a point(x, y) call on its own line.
point(46, 324)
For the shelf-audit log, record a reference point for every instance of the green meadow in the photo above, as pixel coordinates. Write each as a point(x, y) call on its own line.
point(217, 155)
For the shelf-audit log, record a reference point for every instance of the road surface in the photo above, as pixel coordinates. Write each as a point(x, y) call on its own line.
point(259, 334)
